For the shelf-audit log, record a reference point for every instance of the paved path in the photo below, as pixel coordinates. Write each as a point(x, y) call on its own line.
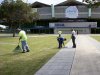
point(84, 60)
point(87, 57)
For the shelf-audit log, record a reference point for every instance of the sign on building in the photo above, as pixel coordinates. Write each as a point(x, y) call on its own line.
point(66, 27)
point(71, 12)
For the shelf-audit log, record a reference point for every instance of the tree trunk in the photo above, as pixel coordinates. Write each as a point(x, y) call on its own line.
point(14, 30)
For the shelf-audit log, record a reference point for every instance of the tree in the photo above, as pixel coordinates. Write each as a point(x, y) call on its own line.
point(90, 5)
point(90, 1)
point(16, 13)
point(36, 17)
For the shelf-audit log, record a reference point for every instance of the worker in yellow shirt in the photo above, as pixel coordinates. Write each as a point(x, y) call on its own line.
point(23, 40)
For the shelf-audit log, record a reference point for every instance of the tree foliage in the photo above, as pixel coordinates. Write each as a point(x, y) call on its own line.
point(15, 12)
point(92, 3)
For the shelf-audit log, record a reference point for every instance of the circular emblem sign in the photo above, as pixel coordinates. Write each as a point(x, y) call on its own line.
point(71, 12)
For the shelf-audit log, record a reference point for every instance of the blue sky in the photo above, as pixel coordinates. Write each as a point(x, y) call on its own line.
point(44, 1)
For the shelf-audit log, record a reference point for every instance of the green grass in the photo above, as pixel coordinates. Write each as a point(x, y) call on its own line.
point(41, 50)
point(96, 37)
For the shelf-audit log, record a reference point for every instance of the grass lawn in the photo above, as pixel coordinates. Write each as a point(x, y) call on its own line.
point(42, 48)
point(97, 38)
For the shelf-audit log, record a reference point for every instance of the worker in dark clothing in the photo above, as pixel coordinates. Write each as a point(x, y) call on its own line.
point(73, 38)
point(61, 41)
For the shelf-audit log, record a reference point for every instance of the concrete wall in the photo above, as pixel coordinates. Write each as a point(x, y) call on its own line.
point(60, 11)
point(46, 12)
point(96, 12)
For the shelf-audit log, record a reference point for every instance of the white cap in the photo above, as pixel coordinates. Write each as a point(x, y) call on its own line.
point(59, 32)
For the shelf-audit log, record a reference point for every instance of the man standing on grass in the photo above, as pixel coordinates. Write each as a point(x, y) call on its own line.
point(23, 39)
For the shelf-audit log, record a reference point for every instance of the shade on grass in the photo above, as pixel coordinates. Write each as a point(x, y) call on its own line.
point(96, 37)
point(41, 50)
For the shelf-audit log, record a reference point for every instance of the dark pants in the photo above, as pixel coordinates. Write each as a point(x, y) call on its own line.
point(73, 41)
point(60, 44)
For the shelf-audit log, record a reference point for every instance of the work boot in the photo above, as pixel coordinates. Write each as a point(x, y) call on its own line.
point(23, 51)
point(28, 50)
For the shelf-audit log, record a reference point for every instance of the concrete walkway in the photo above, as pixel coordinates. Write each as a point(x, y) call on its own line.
point(83, 60)
point(87, 57)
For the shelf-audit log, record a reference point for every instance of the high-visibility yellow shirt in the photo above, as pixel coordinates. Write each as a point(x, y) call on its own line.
point(23, 35)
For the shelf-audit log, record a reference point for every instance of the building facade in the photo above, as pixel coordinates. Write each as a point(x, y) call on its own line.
point(66, 16)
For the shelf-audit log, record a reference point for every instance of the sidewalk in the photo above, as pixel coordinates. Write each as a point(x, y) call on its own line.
point(87, 57)
point(83, 60)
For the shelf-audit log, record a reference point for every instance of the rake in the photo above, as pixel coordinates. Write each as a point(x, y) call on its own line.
point(17, 48)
